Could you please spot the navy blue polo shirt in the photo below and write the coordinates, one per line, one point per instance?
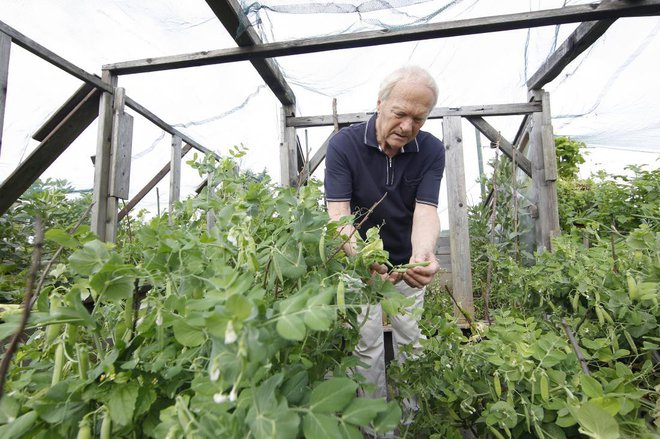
(356, 170)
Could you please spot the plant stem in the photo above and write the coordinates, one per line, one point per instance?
(34, 267)
(357, 227)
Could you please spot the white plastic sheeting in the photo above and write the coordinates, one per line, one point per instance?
(607, 97)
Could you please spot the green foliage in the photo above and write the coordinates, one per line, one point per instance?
(521, 377)
(59, 208)
(605, 201)
(228, 330)
(569, 157)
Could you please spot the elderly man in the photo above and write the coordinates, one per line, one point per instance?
(389, 154)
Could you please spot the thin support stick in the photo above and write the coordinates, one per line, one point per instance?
(32, 276)
(576, 347)
(42, 279)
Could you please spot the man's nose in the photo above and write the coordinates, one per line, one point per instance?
(406, 124)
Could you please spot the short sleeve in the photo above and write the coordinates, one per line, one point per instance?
(428, 191)
(338, 181)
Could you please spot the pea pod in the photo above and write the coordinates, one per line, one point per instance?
(630, 341)
(575, 302)
(54, 329)
(633, 291)
(322, 247)
(404, 267)
(599, 314)
(83, 361)
(106, 426)
(545, 387)
(84, 430)
(341, 300)
(497, 384)
(58, 364)
(21, 425)
(128, 317)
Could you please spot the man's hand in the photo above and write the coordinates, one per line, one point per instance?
(419, 277)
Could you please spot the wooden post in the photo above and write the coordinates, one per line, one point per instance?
(102, 161)
(120, 162)
(288, 150)
(5, 47)
(175, 173)
(459, 235)
(544, 172)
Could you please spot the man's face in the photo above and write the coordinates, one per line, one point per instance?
(402, 114)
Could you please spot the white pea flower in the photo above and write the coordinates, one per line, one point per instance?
(232, 394)
(230, 333)
(220, 397)
(159, 319)
(214, 374)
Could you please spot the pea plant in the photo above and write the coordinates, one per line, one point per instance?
(234, 317)
(573, 348)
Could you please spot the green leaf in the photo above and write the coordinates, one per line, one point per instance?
(240, 307)
(350, 432)
(591, 387)
(291, 327)
(295, 386)
(596, 422)
(8, 409)
(363, 410)
(279, 423)
(288, 264)
(62, 238)
(318, 315)
(111, 285)
(333, 395)
(89, 259)
(264, 394)
(121, 402)
(320, 425)
(188, 335)
(610, 405)
(389, 419)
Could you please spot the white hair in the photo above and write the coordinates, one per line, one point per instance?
(406, 73)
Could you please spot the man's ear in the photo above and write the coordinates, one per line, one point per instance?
(378, 106)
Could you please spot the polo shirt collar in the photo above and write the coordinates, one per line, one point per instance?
(370, 137)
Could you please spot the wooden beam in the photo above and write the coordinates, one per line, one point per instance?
(63, 112)
(231, 16)
(5, 49)
(160, 123)
(59, 139)
(102, 160)
(505, 146)
(576, 43)
(288, 150)
(51, 57)
(149, 186)
(122, 142)
(436, 113)
(522, 20)
(457, 207)
(547, 222)
(175, 174)
(316, 160)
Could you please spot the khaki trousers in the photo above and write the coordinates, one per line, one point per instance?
(371, 347)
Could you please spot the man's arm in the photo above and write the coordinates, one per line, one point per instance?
(337, 210)
(425, 230)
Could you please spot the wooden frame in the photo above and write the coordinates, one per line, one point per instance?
(524, 20)
(5, 49)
